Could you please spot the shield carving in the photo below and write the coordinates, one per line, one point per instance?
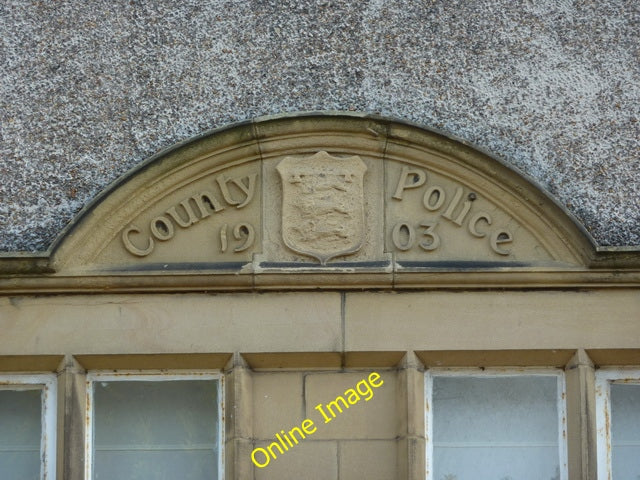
(322, 205)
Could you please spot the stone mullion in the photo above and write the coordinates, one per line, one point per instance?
(581, 417)
(238, 418)
(411, 422)
(71, 429)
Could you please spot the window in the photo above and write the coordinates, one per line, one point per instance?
(154, 426)
(618, 424)
(27, 426)
(500, 425)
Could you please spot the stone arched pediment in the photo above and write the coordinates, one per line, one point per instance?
(319, 200)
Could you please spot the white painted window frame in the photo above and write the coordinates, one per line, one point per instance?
(47, 383)
(150, 376)
(493, 373)
(604, 378)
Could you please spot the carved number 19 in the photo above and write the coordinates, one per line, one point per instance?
(242, 231)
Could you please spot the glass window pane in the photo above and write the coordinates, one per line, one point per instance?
(20, 433)
(502, 428)
(625, 431)
(155, 430)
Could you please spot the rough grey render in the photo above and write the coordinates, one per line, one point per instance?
(91, 88)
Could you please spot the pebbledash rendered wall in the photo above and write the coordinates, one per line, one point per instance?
(482, 159)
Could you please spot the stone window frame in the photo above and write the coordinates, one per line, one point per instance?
(155, 376)
(47, 383)
(494, 372)
(604, 378)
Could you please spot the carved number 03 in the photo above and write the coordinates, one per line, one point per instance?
(403, 236)
(240, 231)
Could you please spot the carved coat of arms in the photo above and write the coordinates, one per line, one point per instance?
(322, 205)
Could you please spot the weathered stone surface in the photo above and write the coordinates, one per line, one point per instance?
(90, 89)
(212, 324)
(426, 322)
(266, 197)
(323, 205)
(356, 459)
